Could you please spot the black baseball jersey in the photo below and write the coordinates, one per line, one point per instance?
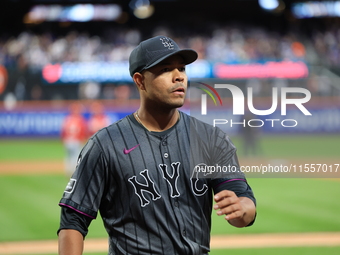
(148, 188)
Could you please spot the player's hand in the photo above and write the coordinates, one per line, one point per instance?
(239, 211)
(227, 203)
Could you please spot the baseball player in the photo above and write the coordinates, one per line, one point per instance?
(74, 133)
(141, 172)
(98, 118)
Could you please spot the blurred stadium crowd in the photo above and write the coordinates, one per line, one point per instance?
(30, 52)
(236, 44)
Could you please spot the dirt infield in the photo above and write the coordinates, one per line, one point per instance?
(217, 242)
(31, 167)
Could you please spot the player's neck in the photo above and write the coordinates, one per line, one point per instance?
(156, 120)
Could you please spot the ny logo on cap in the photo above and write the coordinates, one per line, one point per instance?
(167, 43)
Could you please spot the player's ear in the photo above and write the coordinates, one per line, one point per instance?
(138, 78)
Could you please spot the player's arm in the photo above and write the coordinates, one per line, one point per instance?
(233, 196)
(239, 211)
(73, 229)
(70, 242)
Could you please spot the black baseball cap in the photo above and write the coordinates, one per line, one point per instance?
(154, 50)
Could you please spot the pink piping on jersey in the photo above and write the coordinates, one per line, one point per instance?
(76, 210)
(231, 181)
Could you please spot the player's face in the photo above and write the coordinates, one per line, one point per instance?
(166, 83)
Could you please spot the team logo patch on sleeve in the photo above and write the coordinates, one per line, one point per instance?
(70, 186)
(79, 160)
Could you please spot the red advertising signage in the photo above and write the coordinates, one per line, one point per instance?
(285, 69)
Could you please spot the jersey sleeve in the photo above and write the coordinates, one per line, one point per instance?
(70, 219)
(233, 178)
(240, 187)
(224, 157)
(85, 189)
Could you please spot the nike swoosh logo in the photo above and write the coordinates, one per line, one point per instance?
(127, 151)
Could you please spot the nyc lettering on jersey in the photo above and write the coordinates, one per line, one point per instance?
(148, 185)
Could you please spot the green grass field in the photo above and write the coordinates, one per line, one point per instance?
(29, 203)
(291, 146)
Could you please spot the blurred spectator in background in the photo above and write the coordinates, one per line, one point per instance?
(74, 133)
(89, 90)
(98, 118)
(36, 92)
(122, 92)
(250, 136)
